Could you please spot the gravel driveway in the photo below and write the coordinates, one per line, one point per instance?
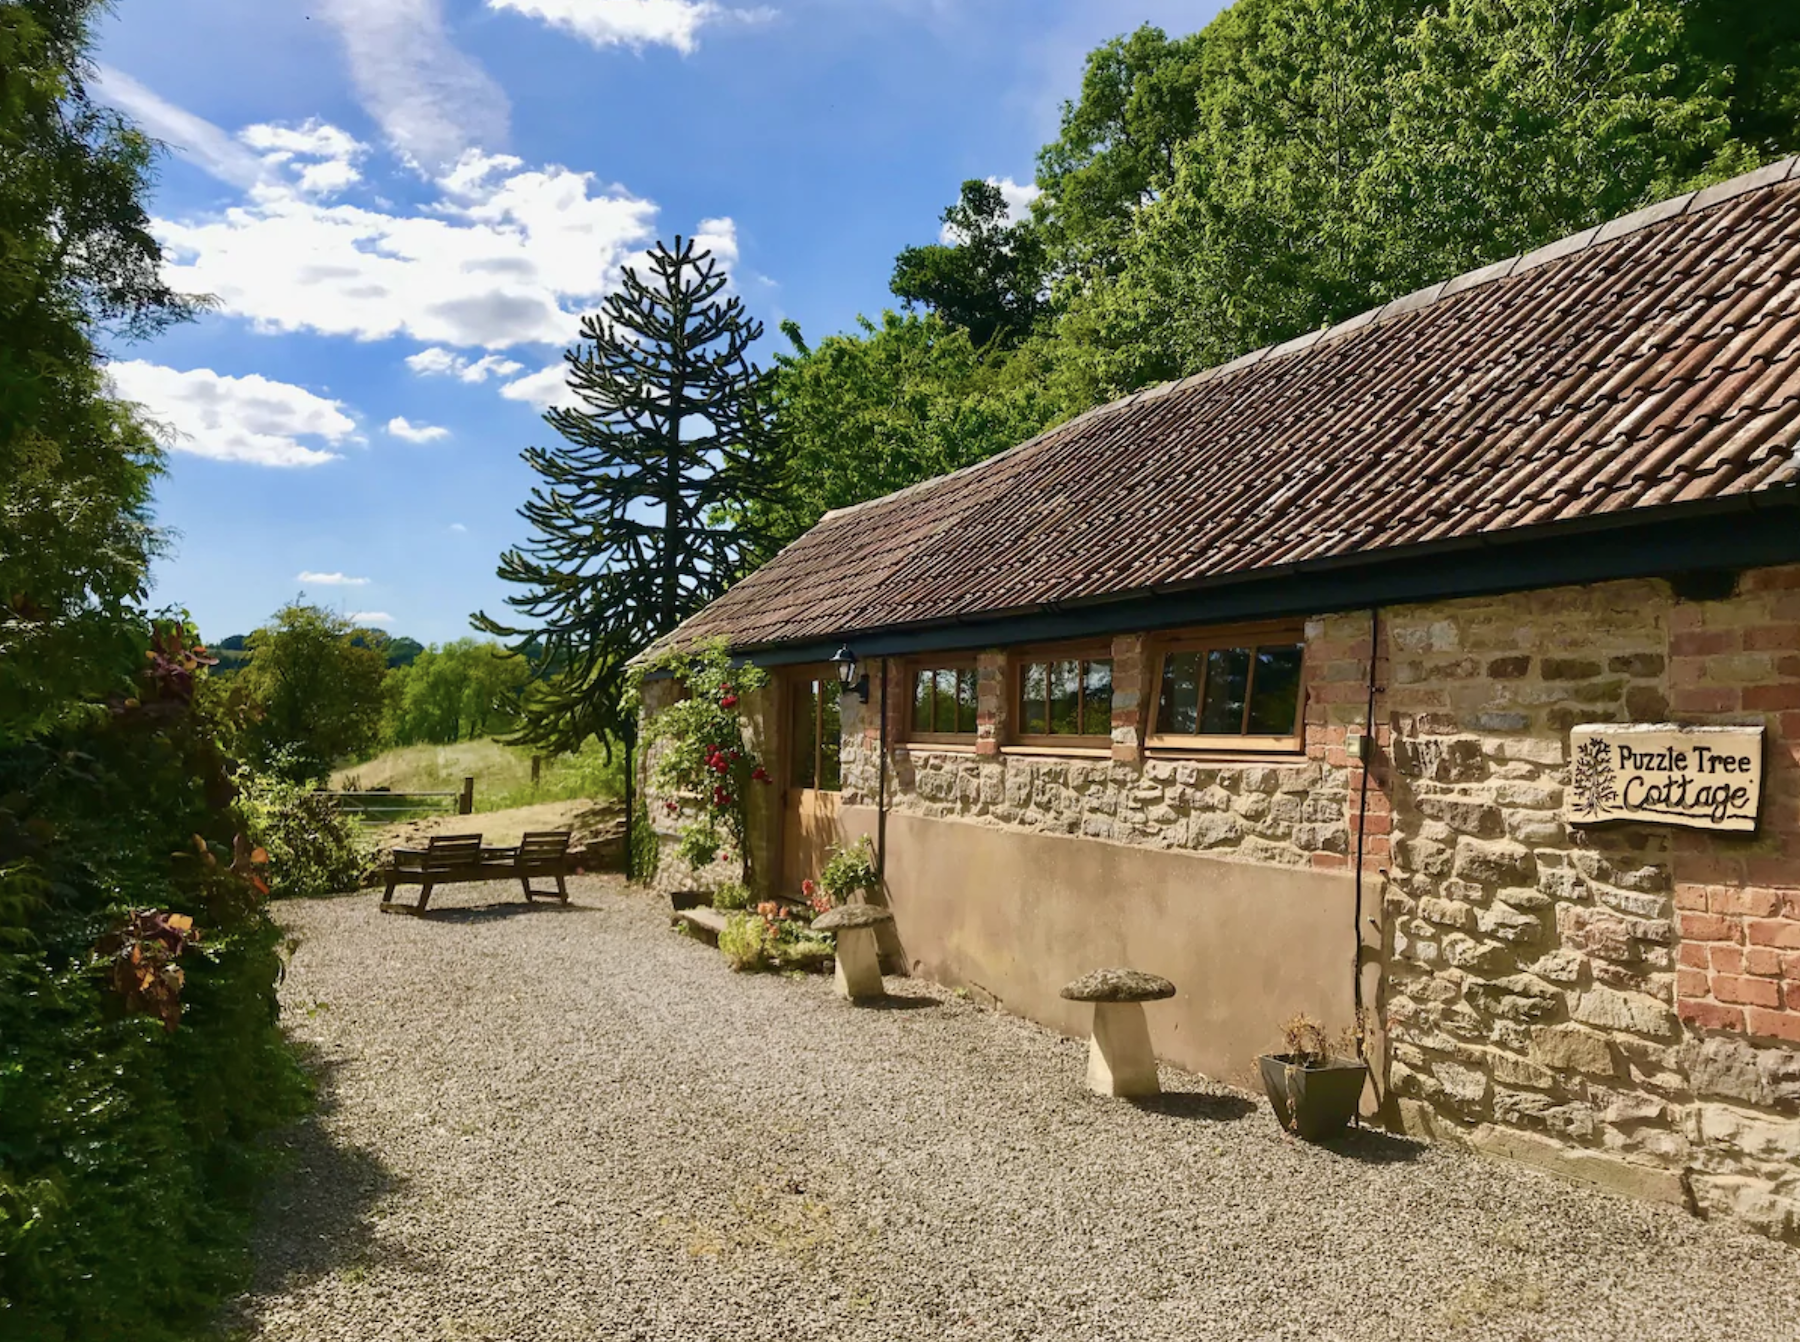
(572, 1123)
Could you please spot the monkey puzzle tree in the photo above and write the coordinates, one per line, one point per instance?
(646, 510)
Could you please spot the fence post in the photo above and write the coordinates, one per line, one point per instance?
(465, 804)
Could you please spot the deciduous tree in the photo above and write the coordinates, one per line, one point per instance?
(314, 683)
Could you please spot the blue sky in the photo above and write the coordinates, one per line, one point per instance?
(403, 206)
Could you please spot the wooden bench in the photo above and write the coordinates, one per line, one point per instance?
(545, 853)
(454, 859)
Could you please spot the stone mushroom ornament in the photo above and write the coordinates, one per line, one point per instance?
(858, 973)
(1119, 1058)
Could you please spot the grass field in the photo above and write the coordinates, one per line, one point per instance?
(502, 773)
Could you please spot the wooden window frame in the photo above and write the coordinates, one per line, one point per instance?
(1018, 660)
(913, 666)
(1250, 636)
(818, 715)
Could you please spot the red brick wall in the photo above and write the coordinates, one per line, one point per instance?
(1738, 660)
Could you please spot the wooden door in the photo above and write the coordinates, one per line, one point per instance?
(813, 774)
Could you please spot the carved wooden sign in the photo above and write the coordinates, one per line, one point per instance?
(1664, 773)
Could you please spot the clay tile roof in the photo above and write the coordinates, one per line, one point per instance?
(1646, 362)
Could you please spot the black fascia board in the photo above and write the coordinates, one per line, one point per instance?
(1747, 532)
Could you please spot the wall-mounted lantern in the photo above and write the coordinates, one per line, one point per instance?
(851, 676)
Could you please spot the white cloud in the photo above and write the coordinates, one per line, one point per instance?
(632, 23)
(369, 619)
(431, 100)
(251, 419)
(1018, 197)
(458, 527)
(506, 255)
(439, 362)
(545, 388)
(330, 579)
(194, 137)
(400, 427)
(718, 236)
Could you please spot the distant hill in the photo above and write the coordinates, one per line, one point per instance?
(234, 653)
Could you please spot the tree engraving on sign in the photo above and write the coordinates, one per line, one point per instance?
(1664, 773)
(1592, 778)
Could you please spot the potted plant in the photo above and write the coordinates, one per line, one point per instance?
(850, 871)
(1313, 1092)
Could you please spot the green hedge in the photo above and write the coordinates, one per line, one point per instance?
(129, 1152)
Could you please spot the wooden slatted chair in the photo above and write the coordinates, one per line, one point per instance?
(545, 853)
(445, 859)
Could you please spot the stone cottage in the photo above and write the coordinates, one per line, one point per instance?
(1272, 681)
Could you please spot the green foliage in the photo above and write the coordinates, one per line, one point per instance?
(1117, 147)
(314, 684)
(462, 690)
(403, 652)
(862, 415)
(850, 871)
(773, 937)
(731, 895)
(128, 1149)
(987, 279)
(644, 854)
(647, 509)
(313, 847)
(76, 466)
(703, 758)
(1350, 151)
(747, 942)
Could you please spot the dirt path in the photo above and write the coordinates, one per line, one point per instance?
(587, 819)
(569, 1123)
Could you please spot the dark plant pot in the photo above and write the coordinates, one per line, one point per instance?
(690, 899)
(1313, 1102)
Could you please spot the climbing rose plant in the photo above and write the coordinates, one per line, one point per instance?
(702, 757)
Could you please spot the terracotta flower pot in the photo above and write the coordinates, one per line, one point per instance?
(1313, 1101)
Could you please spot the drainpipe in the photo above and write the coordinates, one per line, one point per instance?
(1362, 820)
(881, 762)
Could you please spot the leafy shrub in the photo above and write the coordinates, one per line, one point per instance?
(850, 870)
(705, 757)
(747, 942)
(774, 936)
(731, 895)
(313, 847)
(140, 1057)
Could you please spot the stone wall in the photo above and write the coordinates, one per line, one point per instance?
(1289, 811)
(1615, 1002)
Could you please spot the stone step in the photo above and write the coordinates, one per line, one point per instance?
(706, 923)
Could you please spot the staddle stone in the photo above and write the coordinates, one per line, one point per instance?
(1117, 985)
(849, 916)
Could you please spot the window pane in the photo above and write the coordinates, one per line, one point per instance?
(1178, 713)
(1227, 677)
(803, 760)
(1065, 698)
(965, 701)
(943, 717)
(831, 732)
(922, 702)
(1032, 683)
(1275, 694)
(1096, 710)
